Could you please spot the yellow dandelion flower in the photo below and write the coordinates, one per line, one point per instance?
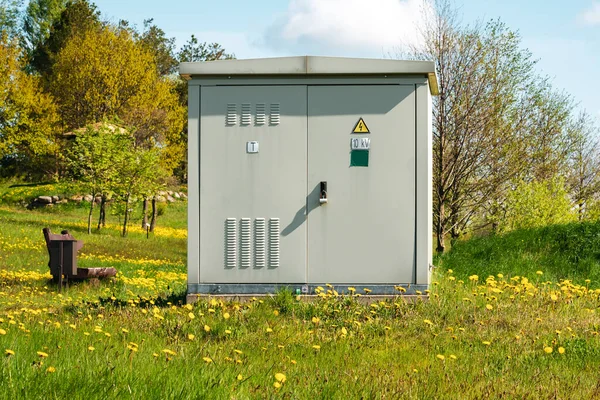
(293, 362)
(554, 297)
(189, 306)
(277, 385)
(428, 322)
(191, 336)
(269, 330)
(2, 331)
(107, 334)
(91, 348)
(240, 377)
(489, 306)
(50, 370)
(42, 354)
(275, 313)
(191, 316)
(441, 357)
(238, 351)
(315, 320)
(316, 347)
(344, 331)
(208, 360)
(280, 377)
(452, 356)
(415, 370)
(548, 349)
(487, 343)
(169, 352)
(561, 350)
(539, 272)
(206, 328)
(155, 354)
(366, 290)
(227, 331)
(73, 326)
(9, 352)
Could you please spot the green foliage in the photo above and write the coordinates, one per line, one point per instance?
(194, 51)
(9, 17)
(535, 204)
(38, 20)
(155, 40)
(569, 251)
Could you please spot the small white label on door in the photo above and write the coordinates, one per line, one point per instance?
(360, 143)
(252, 147)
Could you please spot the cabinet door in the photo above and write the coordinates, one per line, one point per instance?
(365, 233)
(253, 184)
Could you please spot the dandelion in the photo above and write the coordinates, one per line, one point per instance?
(169, 352)
(9, 352)
(428, 322)
(473, 278)
(240, 377)
(554, 297)
(42, 354)
(315, 320)
(489, 306)
(277, 385)
(366, 290)
(208, 360)
(91, 348)
(344, 331)
(206, 328)
(191, 336)
(227, 331)
(539, 273)
(561, 350)
(548, 349)
(50, 370)
(191, 316)
(487, 343)
(276, 313)
(269, 330)
(441, 357)
(280, 377)
(316, 347)
(238, 351)
(2, 331)
(452, 356)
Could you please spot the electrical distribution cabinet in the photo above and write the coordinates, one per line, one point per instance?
(304, 171)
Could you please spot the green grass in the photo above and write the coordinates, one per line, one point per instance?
(570, 251)
(491, 333)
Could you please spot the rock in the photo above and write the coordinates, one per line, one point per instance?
(44, 200)
(170, 193)
(161, 199)
(63, 201)
(55, 199)
(176, 195)
(77, 198)
(162, 193)
(170, 199)
(98, 199)
(88, 198)
(183, 195)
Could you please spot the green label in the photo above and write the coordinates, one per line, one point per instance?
(359, 158)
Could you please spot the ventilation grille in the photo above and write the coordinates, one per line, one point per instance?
(246, 114)
(275, 114)
(231, 114)
(230, 243)
(261, 114)
(245, 255)
(260, 256)
(274, 242)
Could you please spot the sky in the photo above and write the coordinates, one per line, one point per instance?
(563, 36)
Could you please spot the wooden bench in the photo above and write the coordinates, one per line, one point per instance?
(62, 250)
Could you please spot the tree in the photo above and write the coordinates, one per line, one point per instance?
(162, 48)
(78, 16)
(38, 20)
(28, 117)
(9, 17)
(583, 169)
(194, 51)
(94, 160)
(104, 73)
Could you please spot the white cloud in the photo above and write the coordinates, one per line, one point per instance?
(346, 27)
(591, 16)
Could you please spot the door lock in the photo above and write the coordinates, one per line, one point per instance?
(323, 195)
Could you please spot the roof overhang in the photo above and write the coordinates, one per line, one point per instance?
(312, 65)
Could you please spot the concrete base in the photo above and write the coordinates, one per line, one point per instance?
(242, 298)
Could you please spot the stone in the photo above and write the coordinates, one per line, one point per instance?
(161, 199)
(63, 201)
(170, 193)
(55, 199)
(98, 199)
(88, 198)
(170, 199)
(44, 200)
(77, 198)
(176, 195)
(162, 193)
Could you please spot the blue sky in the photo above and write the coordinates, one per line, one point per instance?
(563, 36)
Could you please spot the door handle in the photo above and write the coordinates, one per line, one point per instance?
(323, 194)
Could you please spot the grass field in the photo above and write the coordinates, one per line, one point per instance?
(489, 330)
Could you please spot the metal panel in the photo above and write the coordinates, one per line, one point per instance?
(269, 184)
(365, 233)
(193, 238)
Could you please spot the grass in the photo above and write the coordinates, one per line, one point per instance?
(133, 336)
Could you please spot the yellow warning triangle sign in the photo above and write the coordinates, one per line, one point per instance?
(361, 127)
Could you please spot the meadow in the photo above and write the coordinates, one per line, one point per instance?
(501, 321)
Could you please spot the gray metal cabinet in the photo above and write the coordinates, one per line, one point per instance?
(267, 136)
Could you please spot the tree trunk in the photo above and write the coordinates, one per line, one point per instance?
(439, 230)
(154, 214)
(102, 219)
(145, 213)
(90, 214)
(126, 218)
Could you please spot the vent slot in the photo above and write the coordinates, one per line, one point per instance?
(261, 114)
(245, 249)
(274, 243)
(230, 243)
(260, 243)
(231, 118)
(246, 114)
(275, 116)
